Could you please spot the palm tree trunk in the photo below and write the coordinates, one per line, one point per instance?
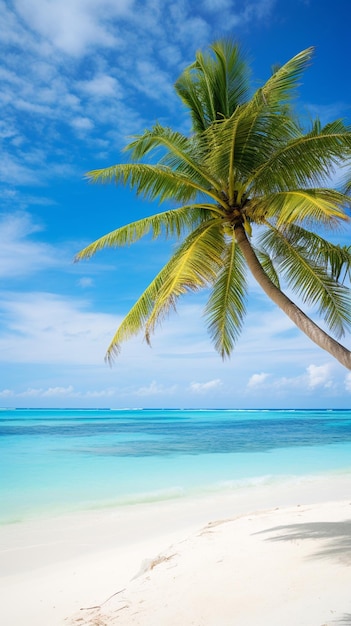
(302, 321)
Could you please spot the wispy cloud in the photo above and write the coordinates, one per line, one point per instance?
(207, 386)
(257, 380)
(21, 255)
(51, 392)
(57, 393)
(348, 382)
(66, 85)
(156, 389)
(48, 328)
(85, 282)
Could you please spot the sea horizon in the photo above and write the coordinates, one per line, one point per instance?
(166, 408)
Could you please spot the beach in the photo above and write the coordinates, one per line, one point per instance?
(271, 554)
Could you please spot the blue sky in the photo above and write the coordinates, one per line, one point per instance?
(78, 77)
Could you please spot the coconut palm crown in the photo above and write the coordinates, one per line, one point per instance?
(250, 190)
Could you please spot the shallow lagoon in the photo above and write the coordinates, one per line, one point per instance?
(57, 461)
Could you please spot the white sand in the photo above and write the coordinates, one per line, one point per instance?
(263, 556)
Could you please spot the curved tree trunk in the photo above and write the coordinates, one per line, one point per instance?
(302, 321)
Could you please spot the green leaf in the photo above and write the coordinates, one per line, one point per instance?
(308, 160)
(268, 266)
(153, 182)
(312, 206)
(305, 275)
(215, 84)
(225, 310)
(170, 223)
(195, 265)
(181, 156)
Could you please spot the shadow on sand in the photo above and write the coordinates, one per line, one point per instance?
(336, 544)
(336, 537)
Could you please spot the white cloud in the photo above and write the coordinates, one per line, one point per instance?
(13, 170)
(314, 377)
(156, 389)
(240, 13)
(101, 86)
(257, 10)
(48, 328)
(348, 382)
(257, 379)
(81, 123)
(72, 25)
(127, 47)
(213, 6)
(103, 393)
(51, 392)
(6, 393)
(319, 375)
(153, 81)
(290, 383)
(19, 255)
(85, 282)
(209, 385)
(57, 392)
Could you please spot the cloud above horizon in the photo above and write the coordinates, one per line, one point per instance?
(257, 380)
(319, 375)
(175, 393)
(156, 389)
(48, 328)
(207, 386)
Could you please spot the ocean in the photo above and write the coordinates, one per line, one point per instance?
(55, 462)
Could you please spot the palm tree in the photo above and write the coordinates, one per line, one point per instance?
(249, 187)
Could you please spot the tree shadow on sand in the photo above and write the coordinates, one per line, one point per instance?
(336, 537)
(334, 542)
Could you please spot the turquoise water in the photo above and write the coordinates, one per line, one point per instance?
(57, 461)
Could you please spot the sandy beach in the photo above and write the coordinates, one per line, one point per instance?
(277, 554)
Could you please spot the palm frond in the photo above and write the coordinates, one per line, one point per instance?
(242, 144)
(182, 154)
(136, 318)
(215, 84)
(225, 310)
(312, 206)
(281, 86)
(170, 223)
(148, 310)
(340, 263)
(334, 258)
(310, 280)
(231, 77)
(268, 266)
(153, 182)
(255, 130)
(195, 265)
(309, 160)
